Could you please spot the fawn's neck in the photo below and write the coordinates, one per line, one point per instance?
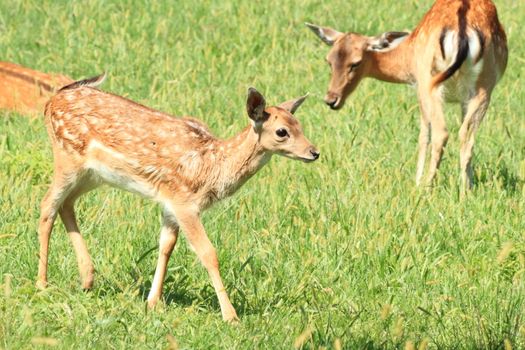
(239, 159)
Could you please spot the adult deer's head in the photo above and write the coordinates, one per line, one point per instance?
(350, 60)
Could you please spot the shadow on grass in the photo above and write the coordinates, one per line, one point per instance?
(501, 174)
(178, 291)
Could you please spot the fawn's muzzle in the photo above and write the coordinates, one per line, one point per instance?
(315, 153)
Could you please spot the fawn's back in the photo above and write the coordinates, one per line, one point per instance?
(126, 144)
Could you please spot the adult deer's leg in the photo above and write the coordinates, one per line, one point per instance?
(439, 132)
(424, 138)
(168, 239)
(475, 111)
(424, 135)
(191, 225)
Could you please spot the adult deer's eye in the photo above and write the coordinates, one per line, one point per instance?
(281, 132)
(354, 65)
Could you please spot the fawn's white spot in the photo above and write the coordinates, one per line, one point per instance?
(191, 161)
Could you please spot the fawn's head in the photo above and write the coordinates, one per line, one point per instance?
(278, 130)
(349, 59)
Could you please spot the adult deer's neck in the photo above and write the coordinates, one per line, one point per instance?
(242, 156)
(394, 66)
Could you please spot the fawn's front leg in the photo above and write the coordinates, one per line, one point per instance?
(168, 239)
(191, 225)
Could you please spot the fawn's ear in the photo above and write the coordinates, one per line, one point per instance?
(292, 105)
(386, 41)
(328, 35)
(255, 106)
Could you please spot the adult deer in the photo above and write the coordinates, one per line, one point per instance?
(102, 138)
(458, 52)
(26, 90)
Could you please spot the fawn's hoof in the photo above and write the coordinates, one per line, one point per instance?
(231, 319)
(87, 285)
(152, 304)
(41, 284)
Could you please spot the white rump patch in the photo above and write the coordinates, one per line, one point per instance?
(450, 46)
(474, 45)
(461, 85)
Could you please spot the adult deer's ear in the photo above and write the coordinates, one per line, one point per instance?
(255, 106)
(386, 41)
(292, 105)
(328, 35)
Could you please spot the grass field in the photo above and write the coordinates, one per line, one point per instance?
(341, 253)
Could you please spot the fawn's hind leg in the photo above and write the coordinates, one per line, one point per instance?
(67, 214)
(53, 200)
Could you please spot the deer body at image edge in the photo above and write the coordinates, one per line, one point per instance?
(26, 90)
(100, 138)
(457, 53)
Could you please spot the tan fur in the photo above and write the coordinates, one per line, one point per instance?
(101, 138)
(25, 90)
(422, 58)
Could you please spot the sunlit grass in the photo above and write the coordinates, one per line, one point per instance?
(342, 252)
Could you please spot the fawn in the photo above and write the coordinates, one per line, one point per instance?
(457, 52)
(100, 138)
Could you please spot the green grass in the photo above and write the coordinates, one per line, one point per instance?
(345, 251)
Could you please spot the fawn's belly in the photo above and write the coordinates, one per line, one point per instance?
(114, 169)
(119, 179)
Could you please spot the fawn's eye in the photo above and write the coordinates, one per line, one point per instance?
(281, 132)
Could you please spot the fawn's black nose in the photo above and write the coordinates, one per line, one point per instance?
(315, 153)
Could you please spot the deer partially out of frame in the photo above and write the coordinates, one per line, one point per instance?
(99, 138)
(458, 52)
(26, 90)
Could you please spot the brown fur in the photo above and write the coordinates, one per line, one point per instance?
(25, 90)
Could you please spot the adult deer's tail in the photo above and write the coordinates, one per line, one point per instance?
(463, 46)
